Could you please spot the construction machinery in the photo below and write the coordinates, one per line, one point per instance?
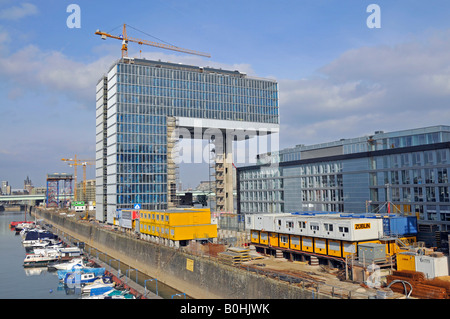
(125, 39)
(75, 163)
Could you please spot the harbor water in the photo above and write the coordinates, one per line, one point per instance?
(17, 282)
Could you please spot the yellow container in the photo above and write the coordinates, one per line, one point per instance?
(177, 217)
(190, 232)
(273, 239)
(254, 238)
(334, 248)
(178, 224)
(295, 242)
(406, 261)
(308, 244)
(348, 248)
(264, 238)
(320, 246)
(284, 241)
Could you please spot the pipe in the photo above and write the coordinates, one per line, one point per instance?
(404, 286)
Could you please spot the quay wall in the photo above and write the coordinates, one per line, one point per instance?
(207, 279)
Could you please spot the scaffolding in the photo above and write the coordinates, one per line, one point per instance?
(172, 167)
(57, 196)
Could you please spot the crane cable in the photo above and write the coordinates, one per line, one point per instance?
(152, 36)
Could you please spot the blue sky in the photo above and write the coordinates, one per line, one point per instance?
(337, 78)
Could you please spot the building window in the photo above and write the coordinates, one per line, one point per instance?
(428, 157)
(418, 194)
(417, 176)
(442, 175)
(416, 159)
(441, 156)
(405, 177)
(443, 194)
(429, 176)
(431, 194)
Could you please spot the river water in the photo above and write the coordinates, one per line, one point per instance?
(17, 282)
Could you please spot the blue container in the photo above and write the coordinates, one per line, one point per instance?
(406, 225)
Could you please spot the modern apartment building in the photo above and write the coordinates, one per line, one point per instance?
(407, 168)
(141, 107)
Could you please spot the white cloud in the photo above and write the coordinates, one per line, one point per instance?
(36, 69)
(18, 12)
(370, 88)
(51, 70)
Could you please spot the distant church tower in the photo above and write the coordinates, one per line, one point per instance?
(28, 185)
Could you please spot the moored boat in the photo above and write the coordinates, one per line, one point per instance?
(13, 225)
(98, 286)
(73, 278)
(24, 225)
(34, 236)
(96, 271)
(110, 294)
(75, 263)
(37, 260)
(67, 253)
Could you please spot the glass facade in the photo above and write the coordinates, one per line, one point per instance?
(134, 102)
(205, 93)
(408, 168)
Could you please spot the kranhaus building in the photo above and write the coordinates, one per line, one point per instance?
(143, 109)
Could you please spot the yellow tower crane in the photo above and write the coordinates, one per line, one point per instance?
(75, 163)
(125, 39)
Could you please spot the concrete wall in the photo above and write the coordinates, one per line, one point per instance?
(207, 279)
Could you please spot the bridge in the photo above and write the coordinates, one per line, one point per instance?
(42, 197)
(19, 198)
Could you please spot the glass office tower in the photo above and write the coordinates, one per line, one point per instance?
(140, 102)
(407, 168)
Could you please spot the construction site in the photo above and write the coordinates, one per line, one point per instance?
(137, 216)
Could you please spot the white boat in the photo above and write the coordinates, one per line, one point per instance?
(47, 243)
(70, 252)
(62, 274)
(75, 263)
(34, 236)
(109, 294)
(25, 225)
(35, 260)
(83, 279)
(47, 252)
(97, 287)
